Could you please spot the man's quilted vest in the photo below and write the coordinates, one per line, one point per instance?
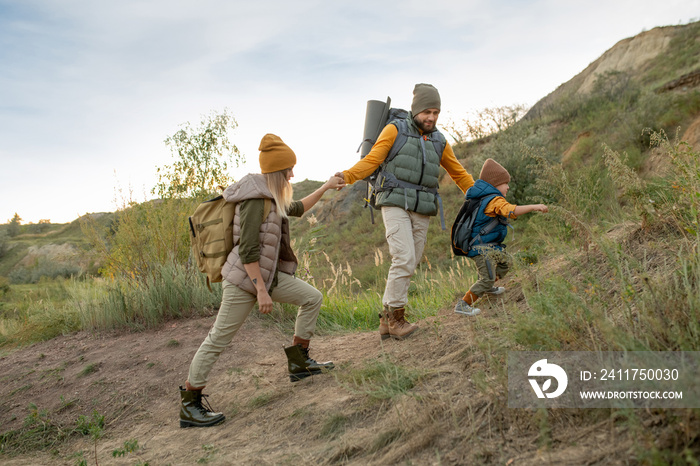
(417, 162)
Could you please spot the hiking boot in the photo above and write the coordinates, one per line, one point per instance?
(496, 290)
(399, 327)
(301, 365)
(465, 309)
(384, 325)
(193, 413)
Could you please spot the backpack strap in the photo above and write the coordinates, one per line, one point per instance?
(485, 231)
(401, 138)
(436, 137)
(388, 180)
(439, 142)
(493, 223)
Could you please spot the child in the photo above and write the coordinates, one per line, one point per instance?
(493, 181)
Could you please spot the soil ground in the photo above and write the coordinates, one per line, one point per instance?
(132, 379)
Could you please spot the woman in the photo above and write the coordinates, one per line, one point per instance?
(260, 268)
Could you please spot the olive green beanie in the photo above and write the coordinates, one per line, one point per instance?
(275, 155)
(425, 96)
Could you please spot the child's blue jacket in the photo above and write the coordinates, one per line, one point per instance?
(496, 236)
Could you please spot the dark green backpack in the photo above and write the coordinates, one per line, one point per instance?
(211, 235)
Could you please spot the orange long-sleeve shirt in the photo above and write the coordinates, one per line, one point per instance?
(381, 149)
(499, 206)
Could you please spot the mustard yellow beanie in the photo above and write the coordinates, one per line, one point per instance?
(493, 173)
(275, 155)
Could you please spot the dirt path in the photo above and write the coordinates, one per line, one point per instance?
(132, 379)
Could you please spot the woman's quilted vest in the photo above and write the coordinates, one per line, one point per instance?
(274, 235)
(418, 163)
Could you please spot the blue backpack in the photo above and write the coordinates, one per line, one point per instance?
(461, 235)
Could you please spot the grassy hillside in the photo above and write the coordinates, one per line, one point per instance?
(621, 111)
(615, 265)
(35, 244)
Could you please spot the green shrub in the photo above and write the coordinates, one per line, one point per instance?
(171, 291)
(4, 242)
(44, 268)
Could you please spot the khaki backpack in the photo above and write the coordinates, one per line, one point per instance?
(211, 235)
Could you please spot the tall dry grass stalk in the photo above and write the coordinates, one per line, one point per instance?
(172, 291)
(350, 305)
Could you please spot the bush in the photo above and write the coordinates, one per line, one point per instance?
(517, 149)
(169, 291)
(143, 238)
(4, 243)
(44, 269)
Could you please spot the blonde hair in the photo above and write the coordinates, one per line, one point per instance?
(281, 190)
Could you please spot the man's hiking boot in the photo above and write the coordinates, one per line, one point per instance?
(496, 290)
(299, 362)
(399, 327)
(384, 326)
(195, 414)
(465, 309)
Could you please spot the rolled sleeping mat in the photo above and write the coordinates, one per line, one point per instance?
(375, 120)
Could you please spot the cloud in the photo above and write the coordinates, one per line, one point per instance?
(89, 88)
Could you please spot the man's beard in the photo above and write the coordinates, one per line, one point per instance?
(423, 127)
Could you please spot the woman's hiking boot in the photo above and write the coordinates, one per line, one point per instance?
(300, 364)
(384, 325)
(399, 327)
(195, 414)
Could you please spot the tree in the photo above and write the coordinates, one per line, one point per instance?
(203, 155)
(13, 228)
(146, 236)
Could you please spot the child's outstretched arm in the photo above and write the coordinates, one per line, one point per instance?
(526, 209)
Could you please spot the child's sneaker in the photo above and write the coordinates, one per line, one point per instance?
(465, 309)
(496, 290)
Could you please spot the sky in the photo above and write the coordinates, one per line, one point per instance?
(89, 90)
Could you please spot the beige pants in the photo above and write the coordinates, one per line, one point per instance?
(406, 233)
(236, 305)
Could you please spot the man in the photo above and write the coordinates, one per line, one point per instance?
(408, 196)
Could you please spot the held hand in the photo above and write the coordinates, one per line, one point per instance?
(541, 208)
(336, 182)
(264, 302)
(340, 175)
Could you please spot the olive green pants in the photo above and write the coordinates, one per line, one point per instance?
(489, 267)
(236, 305)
